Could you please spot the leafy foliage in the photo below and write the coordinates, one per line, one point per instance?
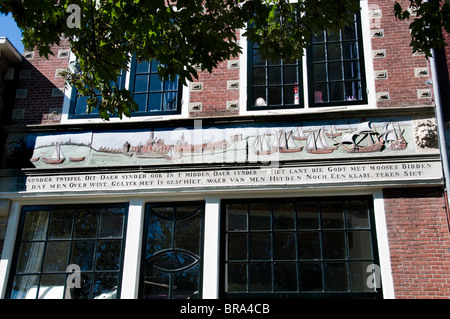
(431, 18)
(180, 34)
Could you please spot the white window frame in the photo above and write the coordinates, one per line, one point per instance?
(65, 116)
(212, 232)
(368, 66)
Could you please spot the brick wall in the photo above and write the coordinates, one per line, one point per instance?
(38, 100)
(419, 242)
(401, 83)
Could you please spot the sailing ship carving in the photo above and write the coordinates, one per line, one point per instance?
(393, 136)
(57, 157)
(317, 144)
(365, 140)
(287, 144)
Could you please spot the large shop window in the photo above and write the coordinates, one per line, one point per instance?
(299, 248)
(334, 75)
(69, 252)
(172, 250)
(153, 95)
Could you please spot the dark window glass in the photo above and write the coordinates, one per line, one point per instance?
(273, 84)
(172, 252)
(153, 95)
(52, 240)
(295, 248)
(336, 67)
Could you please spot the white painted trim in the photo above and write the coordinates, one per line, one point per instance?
(133, 250)
(368, 65)
(8, 246)
(211, 249)
(387, 281)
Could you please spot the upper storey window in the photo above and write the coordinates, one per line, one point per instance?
(153, 95)
(334, 74)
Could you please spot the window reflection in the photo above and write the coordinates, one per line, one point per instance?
(172, 259)
(52, 238)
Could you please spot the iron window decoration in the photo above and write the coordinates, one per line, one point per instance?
(172, 250)
(67, 252)
(153, 95)
(335, 73)
(299, 248)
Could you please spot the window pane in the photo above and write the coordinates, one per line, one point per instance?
(349, 33)
(56, 256)
(350, 50)
(30, 257)
(84, 291)
(284, 216)
(186, 234)
(336, 276)
(332, 214)
(357, 214)
(236, 246)
(284, 245)
(108, 255)
(25, 287)
(83, 253)
(111, 224)
(259, 76)
(155, 83)
(236, 217)
(335, 71)
(260, 216)
(186, 284)
(141, 100)
(105, 286)
(52, 287)
(275, 95)
(61, 225)
(260, 246)
(337, 91)
(334, 52)
(311, 276)
(320, 93)
(285, 276)
(35, 227)
(360, 245)
(259, 96)
(170, 101)
(86, 224)
(141, 83)
(288, 95)
(320, 72)
(156, 284)
(318, 51)
(290, 75)
(154, 102)
(334, 245)
(142, 67)
(309, 245)
(236, 274)
(359, 276)
(351, 70)
(308, 215)
(260, 277)
(274, 75)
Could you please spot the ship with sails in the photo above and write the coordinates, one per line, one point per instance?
(286, 143)
(57, 157)
(365, 140)
(393, 136)
(317, 144)
(261, 145)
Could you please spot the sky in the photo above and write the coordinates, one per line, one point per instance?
(9, 29)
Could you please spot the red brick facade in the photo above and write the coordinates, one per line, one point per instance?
(419, 242)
